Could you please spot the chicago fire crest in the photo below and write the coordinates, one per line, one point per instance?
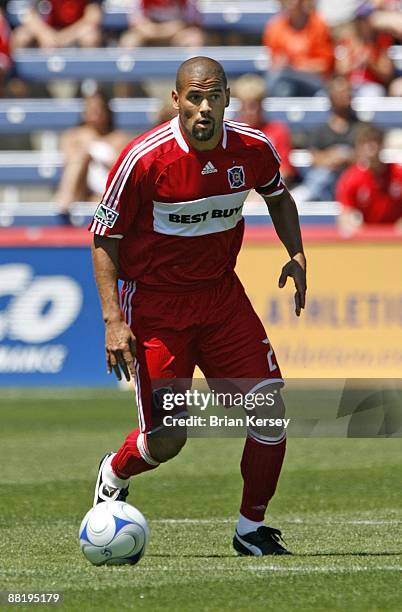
(236, 177)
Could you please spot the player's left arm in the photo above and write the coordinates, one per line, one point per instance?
(285, 218)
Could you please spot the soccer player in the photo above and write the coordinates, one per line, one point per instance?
(170, 226)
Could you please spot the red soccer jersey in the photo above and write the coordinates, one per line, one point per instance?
(178, 211)
(378, 198)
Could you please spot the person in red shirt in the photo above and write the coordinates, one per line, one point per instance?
(60, 23)
(170, 226)
(370, 191)
(5, 53)
(250, 90)
(386, 16)
(301, 49)
(362, 56)
(163, 22)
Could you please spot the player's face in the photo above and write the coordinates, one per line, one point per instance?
(201, 105)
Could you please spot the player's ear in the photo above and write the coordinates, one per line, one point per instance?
(175, 99)
(227, 93)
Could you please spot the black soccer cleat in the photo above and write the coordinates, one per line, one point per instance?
(104, 492)
(264, 541)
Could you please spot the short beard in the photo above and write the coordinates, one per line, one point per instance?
(203, 134)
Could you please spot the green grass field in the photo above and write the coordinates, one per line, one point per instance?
(338, 505)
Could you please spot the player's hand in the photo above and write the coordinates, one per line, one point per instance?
(296, 269)
(120, 349)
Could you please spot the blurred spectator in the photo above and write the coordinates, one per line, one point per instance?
(301, 49)
(369, 191)
(362, 56)
(163, 22)
(5, 57)
(166, 111)
(387, 17)
(250, 91)
(336, 14)
(332, 146)
(89, 152)
(60, 23)
(395, 89)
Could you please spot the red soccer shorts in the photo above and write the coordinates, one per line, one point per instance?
(215, 328)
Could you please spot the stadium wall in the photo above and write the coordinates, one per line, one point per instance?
(51, 331)
(352, 324)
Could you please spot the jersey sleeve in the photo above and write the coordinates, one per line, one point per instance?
(269, 182)
(120, 202)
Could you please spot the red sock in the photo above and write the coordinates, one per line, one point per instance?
(260, 467)
(133, 456)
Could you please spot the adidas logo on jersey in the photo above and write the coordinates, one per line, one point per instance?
(209, 168)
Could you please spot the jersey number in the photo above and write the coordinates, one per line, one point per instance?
(272, 366)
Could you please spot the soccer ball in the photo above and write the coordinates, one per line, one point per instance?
(113, 533)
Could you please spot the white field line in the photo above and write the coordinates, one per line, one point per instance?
(305, 569)
(241, 567)
(320, 569)
(296, 521)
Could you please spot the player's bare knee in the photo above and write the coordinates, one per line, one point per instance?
(164, 445)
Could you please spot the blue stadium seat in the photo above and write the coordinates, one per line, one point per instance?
(26, 115)
(45, 213)
(39, 168)
(138, 114)
(112, 64)
(30, 168)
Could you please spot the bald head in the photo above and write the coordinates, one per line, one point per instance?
(201, 96)
(201, 68)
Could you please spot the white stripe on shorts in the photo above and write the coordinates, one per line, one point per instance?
(138, 396)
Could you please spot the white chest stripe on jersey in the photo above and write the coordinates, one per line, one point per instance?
(199, 217)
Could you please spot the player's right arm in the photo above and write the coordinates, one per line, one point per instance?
(119, 339)
(112, 220)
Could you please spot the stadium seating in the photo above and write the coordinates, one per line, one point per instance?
(136, 114)
(26, 115)
(219, 15)
(40, 168)
(45, 213)
(113, 64)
